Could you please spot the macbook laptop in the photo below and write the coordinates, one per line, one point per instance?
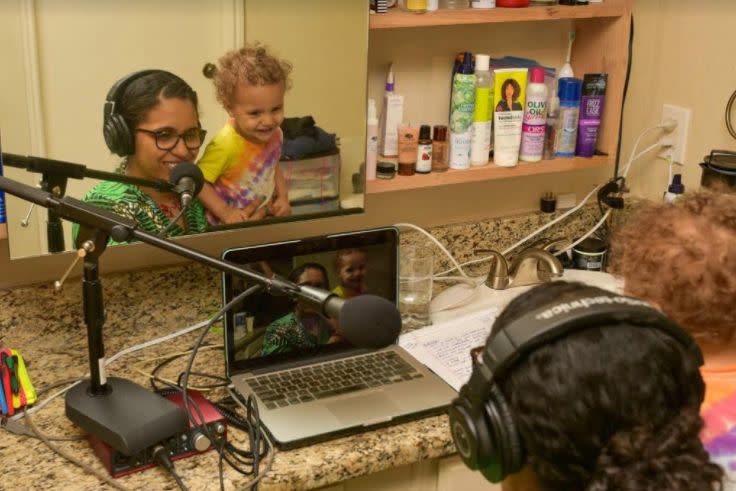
(309, 382)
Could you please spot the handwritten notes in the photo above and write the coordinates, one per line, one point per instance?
(445, 347)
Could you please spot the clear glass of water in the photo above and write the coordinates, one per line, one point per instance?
(416, 267)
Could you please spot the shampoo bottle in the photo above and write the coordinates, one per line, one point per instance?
(371, 147)
(393, 113)
(591, 110)
(535, 117)
(480, 143)
(462, 104)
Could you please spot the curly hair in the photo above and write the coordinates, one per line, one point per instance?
(682, 257)
(251, 64)
(609, 407)
(515, 84)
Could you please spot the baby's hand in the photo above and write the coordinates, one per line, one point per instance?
(280, 207)
(232, 215)
(253, 212)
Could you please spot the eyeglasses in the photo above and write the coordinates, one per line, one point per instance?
(167, 139)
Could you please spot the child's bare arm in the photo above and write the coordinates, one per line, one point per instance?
(226, 214)
(280, 206)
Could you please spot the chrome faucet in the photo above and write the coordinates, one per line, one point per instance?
(530, 267)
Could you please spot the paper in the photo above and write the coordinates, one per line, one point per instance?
(445, 347)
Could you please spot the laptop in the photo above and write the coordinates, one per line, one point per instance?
(310, 384)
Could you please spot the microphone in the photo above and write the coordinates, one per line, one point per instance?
(366, 321)
(187, 180)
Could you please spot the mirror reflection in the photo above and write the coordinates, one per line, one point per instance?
(266, 99)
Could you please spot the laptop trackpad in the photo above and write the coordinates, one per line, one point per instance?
(363, 410)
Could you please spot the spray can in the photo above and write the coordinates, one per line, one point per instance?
(567, 126)
(462, 105)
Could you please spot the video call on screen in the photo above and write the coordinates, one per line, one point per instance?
(268, 326)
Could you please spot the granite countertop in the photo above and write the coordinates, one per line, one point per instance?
(48, 329)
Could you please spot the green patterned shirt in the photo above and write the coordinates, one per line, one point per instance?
(127, 200)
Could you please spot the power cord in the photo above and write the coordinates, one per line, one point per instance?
(162, 457)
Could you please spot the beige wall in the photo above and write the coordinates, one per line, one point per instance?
(683, 57)
(332, 44)
(673, 39)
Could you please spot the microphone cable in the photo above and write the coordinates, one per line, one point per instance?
(165, 231)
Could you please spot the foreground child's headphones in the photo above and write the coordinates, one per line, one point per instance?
(481, 420)
(120, 138)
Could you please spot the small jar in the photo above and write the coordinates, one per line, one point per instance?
(385, 170)
(413, 6)
(454, 4)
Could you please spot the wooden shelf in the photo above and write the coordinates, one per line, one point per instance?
(397, 19)
(484, 173)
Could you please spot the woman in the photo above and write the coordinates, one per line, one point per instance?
(304, 328)
(152, 121)
(609, 407)
(687, 267)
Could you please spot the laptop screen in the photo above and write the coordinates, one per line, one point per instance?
(265, 330)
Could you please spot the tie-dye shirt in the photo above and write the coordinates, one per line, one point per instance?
(719, 412)
(240, 171)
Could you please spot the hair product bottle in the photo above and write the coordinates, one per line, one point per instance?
(462, 105)
(480, 143)
(567, 125)
(393, 112)
(371, 147)
(424, 150)
(440, 149)
(535, 117)
(550, 137)
(591, 110)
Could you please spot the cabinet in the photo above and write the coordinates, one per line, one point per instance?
(601, 45)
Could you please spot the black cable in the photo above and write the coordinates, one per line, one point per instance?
(162, 457)
(623, 100)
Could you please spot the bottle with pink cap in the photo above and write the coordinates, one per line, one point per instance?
(535, 117)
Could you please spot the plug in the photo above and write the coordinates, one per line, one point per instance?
(669, 125)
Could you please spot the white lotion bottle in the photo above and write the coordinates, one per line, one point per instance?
(391, 117)
(371, 147)
(480, 143)
(535, 117)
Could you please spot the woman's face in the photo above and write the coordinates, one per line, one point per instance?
(509, 91)
(311, 277)
(171, 115)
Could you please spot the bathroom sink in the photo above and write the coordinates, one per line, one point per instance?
(463, 298)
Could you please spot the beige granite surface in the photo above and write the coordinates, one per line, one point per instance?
(47, 327)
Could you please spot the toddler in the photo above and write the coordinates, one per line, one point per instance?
(243, 180)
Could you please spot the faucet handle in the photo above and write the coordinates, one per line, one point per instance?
(498, 276)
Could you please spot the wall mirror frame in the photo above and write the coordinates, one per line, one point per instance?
(62, 59)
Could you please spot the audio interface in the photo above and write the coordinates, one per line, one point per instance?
(190, 442)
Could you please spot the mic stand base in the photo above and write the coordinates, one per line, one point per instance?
(128, 417)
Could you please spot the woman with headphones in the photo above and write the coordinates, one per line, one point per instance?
(581, 389)
(151, 119)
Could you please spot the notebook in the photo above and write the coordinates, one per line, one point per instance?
(310, 384)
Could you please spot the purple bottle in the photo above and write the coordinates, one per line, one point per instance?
(591, 110)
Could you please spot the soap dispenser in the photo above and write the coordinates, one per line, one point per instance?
(675, 190)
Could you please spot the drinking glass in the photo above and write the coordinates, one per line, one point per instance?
(416, 267)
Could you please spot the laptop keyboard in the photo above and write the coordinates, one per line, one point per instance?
(306, 384)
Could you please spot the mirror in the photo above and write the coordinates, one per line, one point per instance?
(61, 58)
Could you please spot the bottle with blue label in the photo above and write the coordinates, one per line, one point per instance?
(568, 91)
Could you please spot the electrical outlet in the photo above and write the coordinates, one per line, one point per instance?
(674, 143)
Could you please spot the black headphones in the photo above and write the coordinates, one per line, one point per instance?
(481, 420)
(119, 137)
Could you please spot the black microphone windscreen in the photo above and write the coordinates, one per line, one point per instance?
(187, 169)
(370, 321)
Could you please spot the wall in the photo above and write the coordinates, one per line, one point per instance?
(682, 56)
(668, 32)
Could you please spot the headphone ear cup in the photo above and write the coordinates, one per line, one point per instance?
(465, 432)
(118, 136)
(509, 450)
